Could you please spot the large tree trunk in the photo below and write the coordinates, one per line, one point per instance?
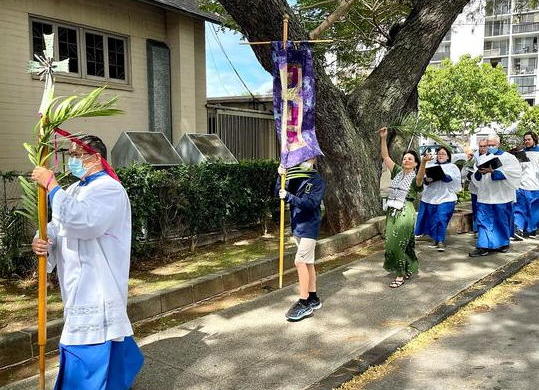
(346, 126)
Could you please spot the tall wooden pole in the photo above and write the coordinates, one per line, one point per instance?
(284, 123)
(42, 272)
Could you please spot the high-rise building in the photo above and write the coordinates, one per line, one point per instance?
(504, 32)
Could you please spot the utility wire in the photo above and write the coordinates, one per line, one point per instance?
(231, 64)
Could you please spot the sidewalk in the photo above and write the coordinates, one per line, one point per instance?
(251, 346)
(493, 350)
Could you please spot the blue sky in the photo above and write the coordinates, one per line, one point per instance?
(221, 79)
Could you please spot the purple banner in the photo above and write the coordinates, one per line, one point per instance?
(294, 102)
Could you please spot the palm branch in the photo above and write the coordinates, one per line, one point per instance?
(60, 110)
(415, 126)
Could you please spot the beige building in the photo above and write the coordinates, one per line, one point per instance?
(151, 54)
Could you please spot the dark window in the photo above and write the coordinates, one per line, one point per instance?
(95, 62)
(38, 29)
(67, 45)
(116, 58)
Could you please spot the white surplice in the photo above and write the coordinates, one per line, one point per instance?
(530, 170)
(499, 191)
(439, 191)
(91, 234)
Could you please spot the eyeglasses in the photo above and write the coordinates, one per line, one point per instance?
(77, 155)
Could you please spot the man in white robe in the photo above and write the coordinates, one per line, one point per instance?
(527, 204)
(90, 244)
(496, 192)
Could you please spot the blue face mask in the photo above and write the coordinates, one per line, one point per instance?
(76, 167)
(492, 149)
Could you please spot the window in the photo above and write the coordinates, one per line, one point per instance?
(93, 55)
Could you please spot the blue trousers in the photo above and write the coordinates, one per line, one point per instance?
(432, 219)
(494, 225)
(108, 366)
(527, 210)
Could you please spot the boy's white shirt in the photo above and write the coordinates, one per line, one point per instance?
(439, 191)
(499, 191)
(91, 234)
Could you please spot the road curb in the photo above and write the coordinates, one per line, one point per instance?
(380, 352)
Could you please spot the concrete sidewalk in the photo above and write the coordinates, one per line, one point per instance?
(497, 349)
(251, 346)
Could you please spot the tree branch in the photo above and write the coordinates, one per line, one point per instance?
(341, 10)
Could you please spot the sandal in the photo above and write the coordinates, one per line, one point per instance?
(408, 275)
(396, 283)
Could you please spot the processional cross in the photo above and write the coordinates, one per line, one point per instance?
(45, 67)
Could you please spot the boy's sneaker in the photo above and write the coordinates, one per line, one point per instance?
(533, 235)
(315, 304)
(298, 311)
(433, 244)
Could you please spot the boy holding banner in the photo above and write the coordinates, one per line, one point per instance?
(304, 191)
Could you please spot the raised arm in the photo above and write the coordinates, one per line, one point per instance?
(383, 147)
(421, 171)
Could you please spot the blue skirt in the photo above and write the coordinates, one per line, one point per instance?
(109, 366)
(527, 210)
(432, 219)
(494, 225)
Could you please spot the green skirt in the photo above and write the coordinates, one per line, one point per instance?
(399, 246)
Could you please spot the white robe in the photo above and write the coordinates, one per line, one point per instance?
(91, 234)
(499, 191)
(530, 171)
(439, 191)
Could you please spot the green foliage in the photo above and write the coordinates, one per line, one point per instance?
(460, 97)
(60, 110)
(413, 125)
(464, 196)
(529, 121)
(189, 200)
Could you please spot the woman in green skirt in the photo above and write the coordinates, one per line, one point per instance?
(406, 184)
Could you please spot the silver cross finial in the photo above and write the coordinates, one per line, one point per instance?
(46, 67)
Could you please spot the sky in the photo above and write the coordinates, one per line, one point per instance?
(221, 79)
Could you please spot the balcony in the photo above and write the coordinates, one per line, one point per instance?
(496, 31)
(523, 70)
(525, 28)
(526, 89)
(525, 50)
(441, 55)
(495, 52)
(498, 9)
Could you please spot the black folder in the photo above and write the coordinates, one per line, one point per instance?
(494, 163)
(435, 173)
(521, 156)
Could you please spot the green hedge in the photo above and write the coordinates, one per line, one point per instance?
(183, 201)
(192, 199)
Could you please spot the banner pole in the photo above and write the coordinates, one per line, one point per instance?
(284, 120)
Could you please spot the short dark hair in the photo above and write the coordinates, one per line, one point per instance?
(96, 144)
(416, 157)
(446, 150)
(533, 135)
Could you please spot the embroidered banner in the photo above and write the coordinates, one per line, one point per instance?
(294, 102)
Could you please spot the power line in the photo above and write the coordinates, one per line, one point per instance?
(231, 64)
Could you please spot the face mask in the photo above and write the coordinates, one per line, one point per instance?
(306, 165)
(492, 149)
(76, 167)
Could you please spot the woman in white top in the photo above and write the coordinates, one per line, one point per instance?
(438, 200)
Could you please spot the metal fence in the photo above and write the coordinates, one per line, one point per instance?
(248, 134)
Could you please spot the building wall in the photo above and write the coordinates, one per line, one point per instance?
(20, 94)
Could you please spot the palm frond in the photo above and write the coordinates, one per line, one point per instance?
(60, 110)
(414, 125)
